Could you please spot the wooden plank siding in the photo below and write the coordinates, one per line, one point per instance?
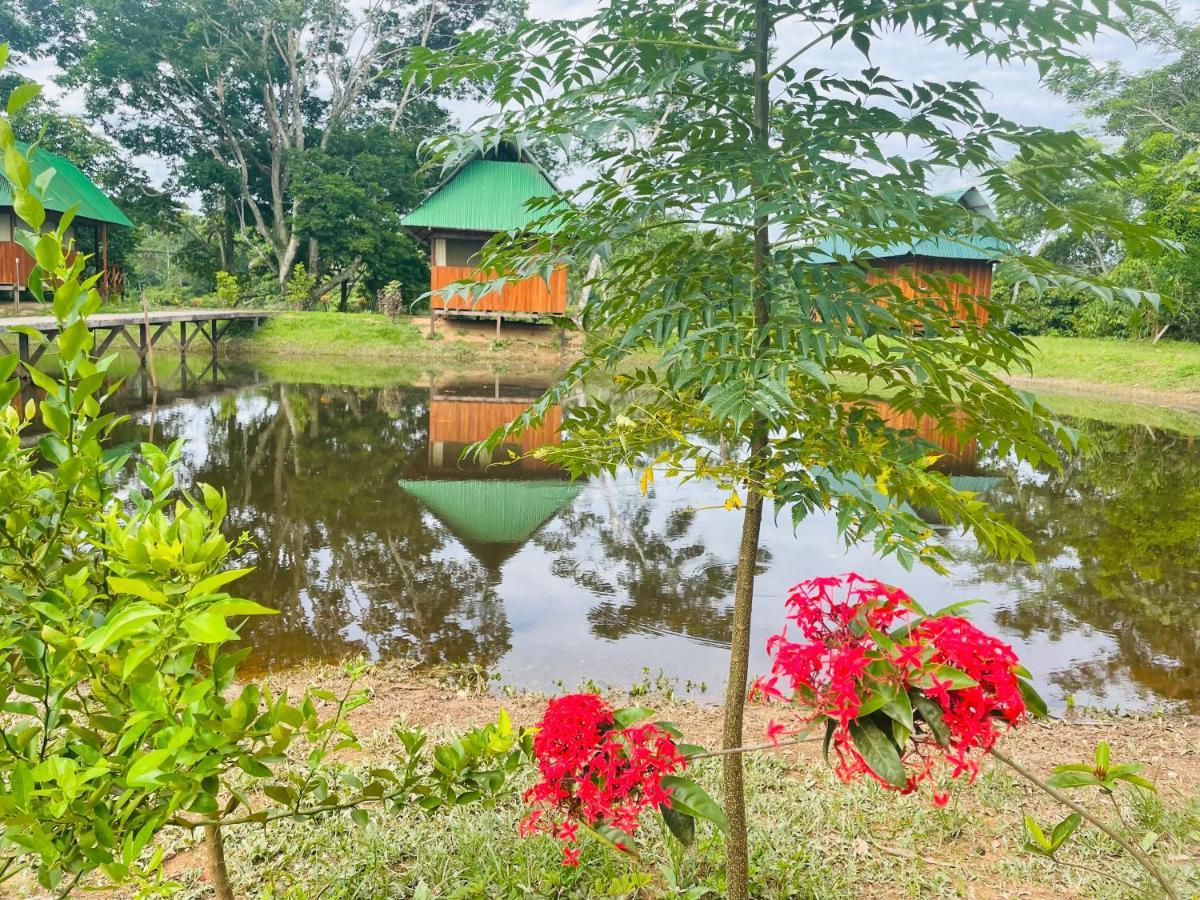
(527, 297)
(10, 253)
(906, 272)
(457, 423)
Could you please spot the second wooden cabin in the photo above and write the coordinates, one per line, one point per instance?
(488, 194)
(966, 262)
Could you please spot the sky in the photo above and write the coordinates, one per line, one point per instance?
(1013, 91)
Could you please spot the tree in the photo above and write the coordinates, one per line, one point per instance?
(768, 334)
(258, 87)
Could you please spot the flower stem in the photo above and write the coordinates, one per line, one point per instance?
(1142, 859)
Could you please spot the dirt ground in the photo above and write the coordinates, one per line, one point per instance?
(1168, 745)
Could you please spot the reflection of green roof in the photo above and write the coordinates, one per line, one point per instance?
(493, 512)
(966, 246)
(484, 195)
(68, 188)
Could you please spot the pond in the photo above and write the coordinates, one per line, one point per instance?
(371, 537)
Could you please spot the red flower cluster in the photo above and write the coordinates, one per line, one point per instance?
(869, 652)
(594, 770)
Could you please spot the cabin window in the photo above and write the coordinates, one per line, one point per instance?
(463, 251)
(5, 227)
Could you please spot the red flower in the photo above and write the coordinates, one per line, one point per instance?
(849, 655)
(595, 771)
(941, 798)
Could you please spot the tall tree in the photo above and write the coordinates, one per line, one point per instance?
(257, 86)
(769, 332)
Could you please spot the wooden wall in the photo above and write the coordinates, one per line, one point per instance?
(907, 271)
(456, 423)
(10, 254)
(527, 297)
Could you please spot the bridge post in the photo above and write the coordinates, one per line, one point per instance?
(23, 347)
(143, 340)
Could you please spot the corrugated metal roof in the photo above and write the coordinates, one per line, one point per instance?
(968, 246)
(484, 195)
(68, 188)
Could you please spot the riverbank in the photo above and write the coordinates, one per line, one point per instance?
(375, 339)
(1166, 374)
(812, 835)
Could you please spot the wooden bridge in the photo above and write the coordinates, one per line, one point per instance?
(140, 331)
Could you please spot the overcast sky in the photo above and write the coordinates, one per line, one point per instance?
(1014, 91)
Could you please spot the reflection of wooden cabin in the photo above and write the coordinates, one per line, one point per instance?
(487, 194)
(962, 453)
(966, 262)
(69, 187)
(492, 506)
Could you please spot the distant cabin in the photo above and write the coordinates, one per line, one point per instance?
(485, 195)
(69, 187)
(972, 257)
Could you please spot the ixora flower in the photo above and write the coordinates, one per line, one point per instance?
(596, 771)
(904, 695)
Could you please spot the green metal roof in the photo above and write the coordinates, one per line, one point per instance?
(493, 512)
(484, 195)
(68, 188)
(968, 246)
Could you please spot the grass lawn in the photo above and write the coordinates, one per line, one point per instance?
(334, 333)
(1167, 366)
(811, 836)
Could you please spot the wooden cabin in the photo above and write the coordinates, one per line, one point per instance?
(69, 187)
(486, 195)
(492, 509)
(970, 259)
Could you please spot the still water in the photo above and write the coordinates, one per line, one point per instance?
(373, 538)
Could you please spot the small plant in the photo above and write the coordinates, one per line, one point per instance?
(229, 290)
(300, 290)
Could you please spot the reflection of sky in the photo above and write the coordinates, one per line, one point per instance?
(552, 637)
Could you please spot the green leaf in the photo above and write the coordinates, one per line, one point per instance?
(1064, 830)
(1137, 781)
(137, 588)
(878, 752)
(208, 628)
(1036, 835)
(931, 715)
(145, 771)
(1103, 755)
(360, 817)
(680, 824)
(958, 679)
(689, 798)
(1072, 780)
(22, 95)
(1033, 700)
(631, 714)
(214, 583)
(235, 606)
(830, 729)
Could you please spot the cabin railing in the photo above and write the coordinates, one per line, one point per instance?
(530, 296)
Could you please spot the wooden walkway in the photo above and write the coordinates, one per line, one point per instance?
(139, 330)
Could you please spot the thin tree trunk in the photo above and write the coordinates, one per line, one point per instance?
(214, 863)
(737, 854)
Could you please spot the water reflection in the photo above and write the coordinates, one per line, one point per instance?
(374, 535)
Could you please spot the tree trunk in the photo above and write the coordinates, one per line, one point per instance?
(737, 854)
(214, 863)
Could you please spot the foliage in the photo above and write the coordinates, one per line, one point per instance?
(389, 300)
(229, 291)
(300, 289)
(122, 709)
(266, 109)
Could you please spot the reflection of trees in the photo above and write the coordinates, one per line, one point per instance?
(1118, 536)
(347, 558)
(648, 578)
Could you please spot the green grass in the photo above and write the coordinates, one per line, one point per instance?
(1166, 366)
(333, 334)
(811, 837)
